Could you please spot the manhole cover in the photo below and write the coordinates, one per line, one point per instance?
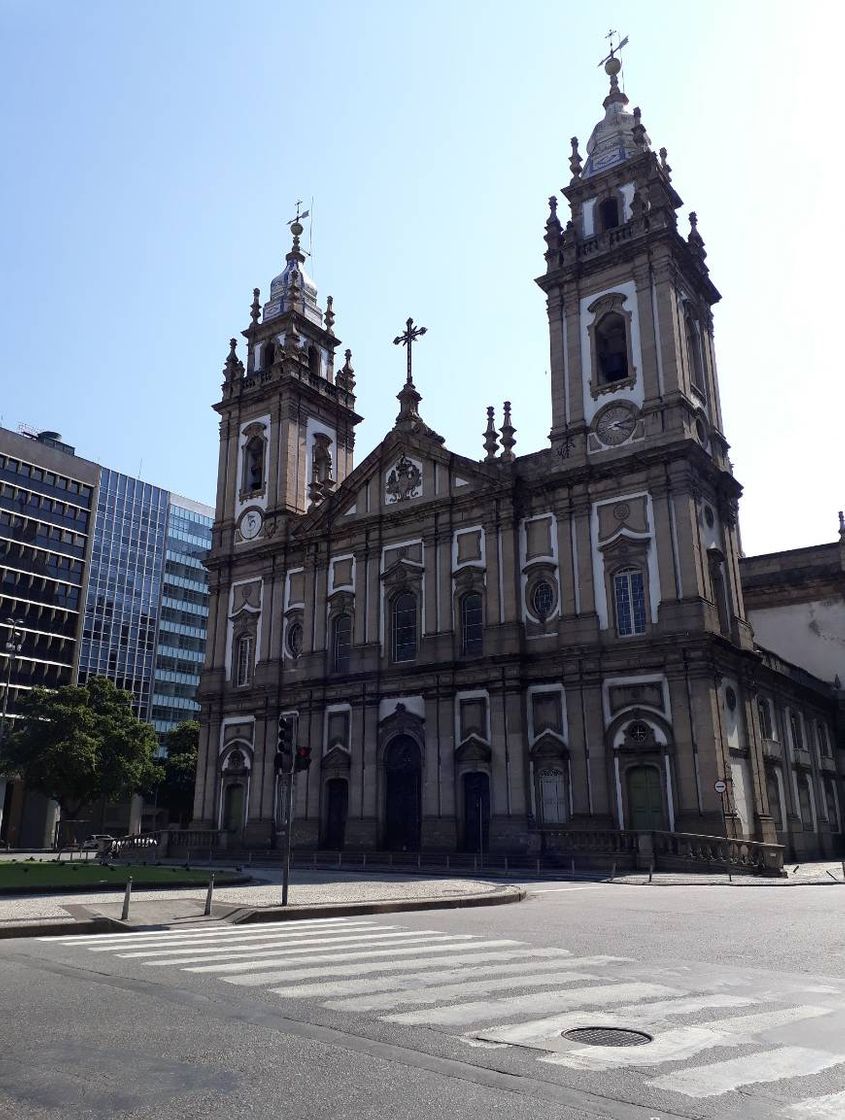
(607, 1036)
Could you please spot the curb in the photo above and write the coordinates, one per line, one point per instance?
(246, 916)
(111, 888)
(62, 929)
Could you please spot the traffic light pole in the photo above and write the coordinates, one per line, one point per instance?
(288, 829)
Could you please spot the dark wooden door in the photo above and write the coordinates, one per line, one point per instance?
(337, 803)
(403, 788)
(476, 812)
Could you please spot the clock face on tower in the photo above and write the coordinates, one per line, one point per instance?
(250, 524)
(616, 425)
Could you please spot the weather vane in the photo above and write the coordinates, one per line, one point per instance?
(408, 337)
(304, 213)
(613, 49)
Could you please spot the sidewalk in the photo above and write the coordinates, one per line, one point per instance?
(309, 892)
(826, 873)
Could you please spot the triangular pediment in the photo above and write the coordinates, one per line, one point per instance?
(401, 472)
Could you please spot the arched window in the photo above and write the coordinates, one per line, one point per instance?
(611, 348)
(694, 358)
(609, 213)
(342, 642)
(765, 718)
(243, 660)
(293, 639)
(268, 354)
(805, 801)
(253, 480)
(629, 597)
(472, 624)
(404, 619)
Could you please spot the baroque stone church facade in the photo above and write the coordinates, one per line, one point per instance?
(486, 652)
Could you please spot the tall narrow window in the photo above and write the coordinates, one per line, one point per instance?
(824, 741)
(629, 596)
(612, 348)
(342, 642)
(553, 801)
(268, 354)
(472, 624)
(253, 480)
(609, 213)
(694, 357)
(765, 719)
(314, 361)
(797, 731)
(404, 618)
(243, 660)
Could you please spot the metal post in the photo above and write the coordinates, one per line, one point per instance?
(480, 832)
(572, 867)
(506, 865)
(727, 842)
(448, 863)
(209, 896)
(613, 871)
(843, 869)
(419, 860)
(288, 822)
(538, 867)
(363, 859)
(650, 870)
(124, 914)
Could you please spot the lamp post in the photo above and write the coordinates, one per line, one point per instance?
(13, 646)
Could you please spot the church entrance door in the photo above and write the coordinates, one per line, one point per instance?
(233, 808)
(337, 801)
(403, 788)
(476, 812)
(645, 799)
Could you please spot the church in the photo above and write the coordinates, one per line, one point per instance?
(497, 652)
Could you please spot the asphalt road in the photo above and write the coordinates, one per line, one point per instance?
(447, 1013)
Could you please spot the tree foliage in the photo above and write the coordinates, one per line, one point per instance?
(176, 792)
(80, 744)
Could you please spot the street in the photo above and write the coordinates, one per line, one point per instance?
(451, 1012)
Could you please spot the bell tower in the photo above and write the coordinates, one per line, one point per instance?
(288, 418)
(633, 370)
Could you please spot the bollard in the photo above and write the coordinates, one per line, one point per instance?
(363, 859)
(650, 870)
(419, 860)
(448, 861)
(208, 897)
(249, 860)
(338, 859)
(538, 868)
(572, 867)
(124, 914)
(506, 865)
(475, 863)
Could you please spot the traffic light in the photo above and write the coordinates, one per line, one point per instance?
(284, 743)
(303, 759)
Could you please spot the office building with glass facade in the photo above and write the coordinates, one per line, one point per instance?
(183, 616)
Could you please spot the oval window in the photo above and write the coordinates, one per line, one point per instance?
(542, 599)
(294, 639)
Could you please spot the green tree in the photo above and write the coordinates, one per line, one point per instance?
(176, 792)
(80, 744)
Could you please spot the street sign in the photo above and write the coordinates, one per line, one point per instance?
(720, 786)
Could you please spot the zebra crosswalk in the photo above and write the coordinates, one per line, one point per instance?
(710, 1037)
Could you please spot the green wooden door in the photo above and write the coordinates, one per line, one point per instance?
(645, 799)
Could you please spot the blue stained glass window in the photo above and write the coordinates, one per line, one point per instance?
(629, 595)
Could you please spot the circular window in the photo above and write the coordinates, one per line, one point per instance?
(639, 732)
(294, 639)
(542, 599)
(701, 431)
(730, 699)
(709, 519)
(236, 761)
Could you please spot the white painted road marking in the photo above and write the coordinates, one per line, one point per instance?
(142, 935)
(277, 945)
(603, 995)
(829, 1107)
(752, 1069)
(225, 937)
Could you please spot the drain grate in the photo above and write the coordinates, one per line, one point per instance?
(607, 1036)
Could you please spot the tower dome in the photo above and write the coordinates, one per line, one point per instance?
(612, 140)
(293, 289)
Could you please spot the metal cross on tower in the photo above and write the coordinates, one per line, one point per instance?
(299, 216)
(408, 338)
(613, 49)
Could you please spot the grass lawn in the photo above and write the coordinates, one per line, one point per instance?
(48, 876)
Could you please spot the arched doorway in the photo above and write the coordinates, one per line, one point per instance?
(233, 808)
(403, 785)
(337, 803)
(476, 812)
(645, 799)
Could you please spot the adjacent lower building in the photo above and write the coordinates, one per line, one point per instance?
(100, 575)
(500, 651)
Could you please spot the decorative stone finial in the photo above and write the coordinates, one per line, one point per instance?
(296, 229)
(346, 374)
(612, 68)
(665, 166)
(328, 318)
(575, 161)
(491, 438)
(841, 525)
(233, 367)
(695, 240)
(255, 309)
(638, 131)
(507, 430)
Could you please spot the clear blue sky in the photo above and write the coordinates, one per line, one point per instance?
(153, 152)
